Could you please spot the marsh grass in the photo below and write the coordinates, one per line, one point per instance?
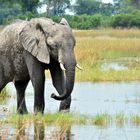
(135, 119)
(101, 120)
(94, 47)
(57, 118)
(121, 119)
(62, 122)
(60, 119)
(4, 93)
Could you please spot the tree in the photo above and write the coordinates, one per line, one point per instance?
(29, 5)
(106, 9)
(91, 7)
(56, 7)
(88, 7)
(134, 3)
(26, 5)
(8, 10)
(126, 6)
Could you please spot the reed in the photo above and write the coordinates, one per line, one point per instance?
(94, 47)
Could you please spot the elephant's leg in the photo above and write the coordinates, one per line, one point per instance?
(65, 104)
(37, 76)
(21, 104)
(38, 81)
(3, 81)
(59, 83)
(2, 85)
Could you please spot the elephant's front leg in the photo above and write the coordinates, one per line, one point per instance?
(37, 76)
(38, 84)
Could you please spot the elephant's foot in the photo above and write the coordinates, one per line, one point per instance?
(22, 111)
(64, 110)
(65, 105)
(38, 110)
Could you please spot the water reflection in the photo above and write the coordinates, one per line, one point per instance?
(88, 99)
(20, 131)
(40, 131)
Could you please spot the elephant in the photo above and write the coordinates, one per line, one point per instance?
(27, 49)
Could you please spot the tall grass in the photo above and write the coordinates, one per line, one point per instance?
(117, 33)
(36, 125)
(95, 47)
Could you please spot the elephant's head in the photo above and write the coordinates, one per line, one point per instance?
(49, 41)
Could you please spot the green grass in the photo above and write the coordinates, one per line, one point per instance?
(135, 119)
(101, 119)
(95, 47)
(60, 119)
(60, 122)
(4, 93)
(21, 124)
(55, 118)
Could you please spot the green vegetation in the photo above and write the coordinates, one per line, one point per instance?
(60, 119)
(56, 118)
(96, 47)
(4, 93)
(120, 14)
(101, 120)
(27, 125)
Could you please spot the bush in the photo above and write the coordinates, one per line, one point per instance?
(126, 20)
(82, 21)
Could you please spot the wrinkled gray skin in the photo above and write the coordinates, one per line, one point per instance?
(27, 48)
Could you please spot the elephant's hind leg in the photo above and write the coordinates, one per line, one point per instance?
(2, 86)
(3, 81)
(20, 87)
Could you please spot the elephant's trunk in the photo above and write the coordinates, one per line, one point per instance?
(70, 78)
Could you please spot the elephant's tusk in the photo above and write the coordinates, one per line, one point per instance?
(62, 67)
(79, 67)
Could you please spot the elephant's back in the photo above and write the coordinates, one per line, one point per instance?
(9, 37)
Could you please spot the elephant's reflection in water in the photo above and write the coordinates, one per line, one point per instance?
(39, 131)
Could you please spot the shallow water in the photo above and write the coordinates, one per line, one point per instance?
(113, 66)
(75, 132)
(89, 99)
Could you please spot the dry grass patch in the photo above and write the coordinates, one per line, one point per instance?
(93, 47)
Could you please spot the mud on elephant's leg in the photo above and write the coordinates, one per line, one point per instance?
(21, 104)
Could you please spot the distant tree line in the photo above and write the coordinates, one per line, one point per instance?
(87, 14)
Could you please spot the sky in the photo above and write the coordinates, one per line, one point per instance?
(107, 1)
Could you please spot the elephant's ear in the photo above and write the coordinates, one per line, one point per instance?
(33, 39)
(64, 22)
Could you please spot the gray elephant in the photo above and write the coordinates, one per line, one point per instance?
(27, 48)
